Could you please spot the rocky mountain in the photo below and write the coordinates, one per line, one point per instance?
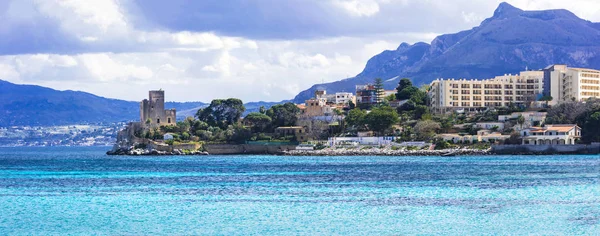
(32, 105)
(508, 42)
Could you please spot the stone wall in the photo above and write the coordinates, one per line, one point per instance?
(171, 148)
(230, 149)
(547, 149)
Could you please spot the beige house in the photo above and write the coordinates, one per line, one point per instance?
(501, 91)
(552, 135)
(486, 136)
(571, 84)
(298, 131)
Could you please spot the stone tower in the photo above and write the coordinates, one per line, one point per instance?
(152, 110)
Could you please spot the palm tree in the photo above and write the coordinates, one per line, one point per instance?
(521, 120)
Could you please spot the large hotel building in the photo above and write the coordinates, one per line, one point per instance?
(558, 81)
(570, 84)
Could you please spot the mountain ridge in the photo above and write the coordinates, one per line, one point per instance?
(507, 42)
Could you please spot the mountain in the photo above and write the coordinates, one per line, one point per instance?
(508, 42)
(32, 105)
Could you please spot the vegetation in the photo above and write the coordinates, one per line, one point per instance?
(283, 114)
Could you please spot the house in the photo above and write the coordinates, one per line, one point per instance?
(567, 134)
(531, 118)
(489, 125)
(334, 141)
(482, 136)
(298, 132)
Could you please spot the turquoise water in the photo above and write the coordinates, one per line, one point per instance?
(80, 191)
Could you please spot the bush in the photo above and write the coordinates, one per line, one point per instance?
(441, 144)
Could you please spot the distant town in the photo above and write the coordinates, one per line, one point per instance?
(525, 110)
(71, 135)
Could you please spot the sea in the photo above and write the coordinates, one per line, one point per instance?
(82, 191)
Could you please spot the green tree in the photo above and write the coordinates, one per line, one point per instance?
(546, 98)
(426, 129)
(404, 83)
(222, 112)
(381, 119)
(351, 105)
(283, 114)
(259, 121)
(356, 119)
(262, 110)
(407, 93)
(521, 121)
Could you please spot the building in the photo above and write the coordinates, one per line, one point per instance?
(501, 91)
(152, 110)
(298, 132)
(485, 136)
(531, 118)
(344, 98)
(570, 84)
(552, 135)
(372, 141)
(367, 94)
(489, 125)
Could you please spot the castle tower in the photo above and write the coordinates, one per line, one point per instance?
(153, 110)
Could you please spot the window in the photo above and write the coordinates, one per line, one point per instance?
(169, 120)
(158, 121)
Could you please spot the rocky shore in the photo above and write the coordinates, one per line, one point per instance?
(387, 152)
(152, 152)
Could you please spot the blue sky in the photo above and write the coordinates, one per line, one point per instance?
(199, 50)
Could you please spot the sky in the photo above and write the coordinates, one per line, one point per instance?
(255, 50)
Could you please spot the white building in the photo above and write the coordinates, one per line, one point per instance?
(552, 135)
(570, 84)
(531, 118)
(501, 91)
(482, 136)
(344, 98)
(334, 141)
(489, 125)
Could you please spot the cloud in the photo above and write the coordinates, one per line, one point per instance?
(200, 50)
(358, 7)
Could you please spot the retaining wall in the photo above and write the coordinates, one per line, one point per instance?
(230, 149)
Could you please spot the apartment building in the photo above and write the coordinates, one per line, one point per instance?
(366, 94)
(501, 91)
(570, 84)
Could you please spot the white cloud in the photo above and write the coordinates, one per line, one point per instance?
(358, 8)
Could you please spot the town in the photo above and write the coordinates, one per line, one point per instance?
(551, 108)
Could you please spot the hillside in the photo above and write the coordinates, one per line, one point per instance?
(508, 42)
(39, 106)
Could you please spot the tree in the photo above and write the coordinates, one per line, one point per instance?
(426, 129)
(356, 119)
(390, 97)
(379, 90)
(515, 138)
(259, 121)
(419, 97)
(406, 93)
(590, 128)
(521, 121)
(404, 83)
(546, 98)
(381, 119)
(222, 112)
(351, 105)
(262, 110)
(283, 114)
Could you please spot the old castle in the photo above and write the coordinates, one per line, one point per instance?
(152, 110)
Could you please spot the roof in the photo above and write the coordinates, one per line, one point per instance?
(557, 128)
(301, 106)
